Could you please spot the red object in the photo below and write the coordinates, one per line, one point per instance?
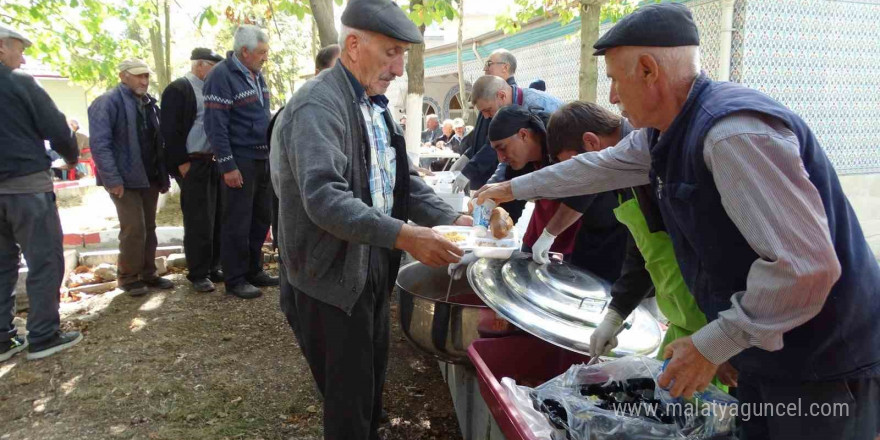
(87, 160)
(524, 358)
(92, 238)
(73, 240)
(544, 211)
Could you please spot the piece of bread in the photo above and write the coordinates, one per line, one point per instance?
(500, 223)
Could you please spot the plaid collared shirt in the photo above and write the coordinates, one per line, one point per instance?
(383, 161)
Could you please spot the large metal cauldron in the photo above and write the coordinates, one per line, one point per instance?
(443, 328)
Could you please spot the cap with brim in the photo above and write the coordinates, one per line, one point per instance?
(381, 16)
(205, 54)
(7, 32)
(660, 25)
(134, 67)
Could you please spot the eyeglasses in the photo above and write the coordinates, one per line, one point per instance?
(489, 63)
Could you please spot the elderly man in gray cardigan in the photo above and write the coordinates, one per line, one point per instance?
(347, 191)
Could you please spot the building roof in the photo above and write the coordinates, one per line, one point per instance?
(38, 70)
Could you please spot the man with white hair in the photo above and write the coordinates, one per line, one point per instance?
(189, 159)
(129, 159)
(29, 222)
(236, 122)
(347, 192)
(432, 131)
(766, 239)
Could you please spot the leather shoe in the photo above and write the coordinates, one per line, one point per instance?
(263, 279)
(136, 288)
(217, 276)
(159, 283)
(203, 285)
(244, 290)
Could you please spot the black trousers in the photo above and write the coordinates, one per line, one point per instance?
(348, 354)
(247, 214)
(841, 409)
(29, 224)
(200, 203)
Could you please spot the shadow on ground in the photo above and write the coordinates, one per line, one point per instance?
(183, 365)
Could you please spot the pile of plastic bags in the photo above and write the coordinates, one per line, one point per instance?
(620, 400)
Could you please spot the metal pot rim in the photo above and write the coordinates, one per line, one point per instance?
(404, 290)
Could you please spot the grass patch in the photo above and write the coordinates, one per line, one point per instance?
(170, 214)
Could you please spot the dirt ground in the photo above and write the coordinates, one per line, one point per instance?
(184, 365)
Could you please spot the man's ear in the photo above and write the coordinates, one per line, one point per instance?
(591, 141)
(647, 68)
(352, 44)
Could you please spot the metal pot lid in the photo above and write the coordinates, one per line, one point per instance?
(559, 303)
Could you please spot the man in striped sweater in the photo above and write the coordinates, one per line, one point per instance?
(236, 119)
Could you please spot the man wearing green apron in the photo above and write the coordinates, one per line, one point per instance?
(650, 262)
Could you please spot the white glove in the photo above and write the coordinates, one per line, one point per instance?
(604, 339)
(459, 164)
(461, 184)
(541, 248)
(456, 270)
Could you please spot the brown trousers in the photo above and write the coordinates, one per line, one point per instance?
(137, 234)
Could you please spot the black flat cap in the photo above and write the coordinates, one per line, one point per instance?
(201, 53)
(381, 16)
(661, 25)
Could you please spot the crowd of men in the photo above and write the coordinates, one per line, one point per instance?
(712, 197)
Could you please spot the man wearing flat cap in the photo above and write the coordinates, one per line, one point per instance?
(347, 190)
(129, 158)
(189, 159)
(29, 222)
(766, 239)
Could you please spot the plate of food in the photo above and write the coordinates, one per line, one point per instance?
(499, 241)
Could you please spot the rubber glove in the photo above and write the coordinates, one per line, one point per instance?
(461, 184)
(541, 248)
(456, 270)
(459, 164)
(604, 339)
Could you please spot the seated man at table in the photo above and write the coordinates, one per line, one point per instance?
(442, 142)
(582, 229)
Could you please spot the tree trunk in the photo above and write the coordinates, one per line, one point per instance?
(158, 42)
(589, 71)
(462, 92)
(167, 43)
(322, 11)
(415, 72)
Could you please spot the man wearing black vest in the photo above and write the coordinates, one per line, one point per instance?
(190, 160)
(766, 240)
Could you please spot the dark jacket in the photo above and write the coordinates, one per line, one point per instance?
(843, 339)
(178, 114)
(431, 136)
(114, 140)
(28, 118)
(319, 165)
(235, 121)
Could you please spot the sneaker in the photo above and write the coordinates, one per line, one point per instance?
(136, 288)
(203, 285)
(263, 279)
(59, 342)
(12, 346)
(216, 276)
(244, 290)
(159, 283)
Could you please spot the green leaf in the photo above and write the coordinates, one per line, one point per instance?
(212, 17)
